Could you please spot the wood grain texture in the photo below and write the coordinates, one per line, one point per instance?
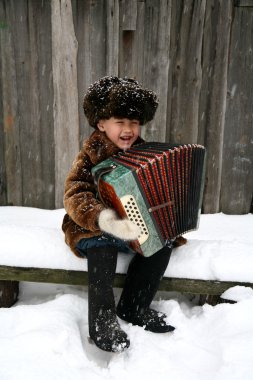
(196, 54)
(129, 14)
(237, 163)
(186, 71)
(217, 105)
(90, 28)
(66, 123)
(11, 107)
(60, 276)
(156, 62)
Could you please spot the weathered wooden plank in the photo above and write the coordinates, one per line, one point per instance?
(3, 189)
(44, 122)
(237, 165)
(57, 276)
(60, 276)
(112, 37)
(90, 25)
(129, 14)
(243, 3)
(131, 52)
(156, 62)
(80, 20)
(221, 25)
(196, 286)
(29, 110)
(10, 105)
(208, 49)
(27, 105)
(127, 53)
(186, 70)
(66, 122)
(38, 157)
(26, 83)
(138, 44)
(26, 97)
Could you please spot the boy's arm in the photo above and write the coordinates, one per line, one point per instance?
(80, 200)
(85, 209)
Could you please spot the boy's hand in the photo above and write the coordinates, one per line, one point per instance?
(121, 228)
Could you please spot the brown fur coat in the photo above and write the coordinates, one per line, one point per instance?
(80, 201)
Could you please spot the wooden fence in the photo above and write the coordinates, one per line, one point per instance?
(196, 54)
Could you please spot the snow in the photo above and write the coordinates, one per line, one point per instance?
(221, 249)
(44, 336)
(237, 293)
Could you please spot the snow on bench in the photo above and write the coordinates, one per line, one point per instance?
(217, 256)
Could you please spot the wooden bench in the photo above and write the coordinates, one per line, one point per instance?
(208, 290)
(71, 277)
(34, 226)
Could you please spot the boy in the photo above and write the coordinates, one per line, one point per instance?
(116, 108)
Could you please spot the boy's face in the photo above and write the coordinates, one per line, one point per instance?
(121, 131)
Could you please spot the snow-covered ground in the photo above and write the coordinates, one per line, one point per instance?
(44, 336)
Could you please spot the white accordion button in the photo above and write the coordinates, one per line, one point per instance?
(133, 213)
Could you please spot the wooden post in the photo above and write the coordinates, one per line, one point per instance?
(8, 293)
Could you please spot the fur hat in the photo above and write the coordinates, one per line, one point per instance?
(119, 97)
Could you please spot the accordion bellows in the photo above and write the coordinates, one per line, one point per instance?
(156, 185)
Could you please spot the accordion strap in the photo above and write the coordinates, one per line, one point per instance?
(97, 177)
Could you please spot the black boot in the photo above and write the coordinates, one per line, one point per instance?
(142, 282)
(104, 327)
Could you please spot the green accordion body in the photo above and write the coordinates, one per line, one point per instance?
(156, 185)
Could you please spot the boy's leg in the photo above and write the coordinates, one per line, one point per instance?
(142, 282)
(104, 328)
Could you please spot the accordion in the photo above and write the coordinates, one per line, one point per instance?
(158, 186)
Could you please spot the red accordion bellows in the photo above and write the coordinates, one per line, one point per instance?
(169, 177)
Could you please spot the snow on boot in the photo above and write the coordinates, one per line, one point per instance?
(104, 328)
(150, 319)
(107, 333)
(142, 281)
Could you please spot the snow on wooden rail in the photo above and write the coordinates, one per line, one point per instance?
(217, 256)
